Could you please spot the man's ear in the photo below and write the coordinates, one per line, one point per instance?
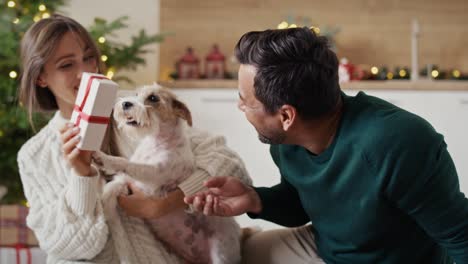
(288, 114)
(182, 111)
(41, 81)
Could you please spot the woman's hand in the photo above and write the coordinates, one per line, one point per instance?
(139, 205)
(226, 196)
(80, 160)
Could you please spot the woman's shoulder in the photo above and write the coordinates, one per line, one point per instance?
(40, 142)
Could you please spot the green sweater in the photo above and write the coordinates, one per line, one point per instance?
(385, 191)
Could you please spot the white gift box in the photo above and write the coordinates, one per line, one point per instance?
(93, 106)
(22, 255)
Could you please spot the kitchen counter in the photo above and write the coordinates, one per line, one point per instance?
(440, 85)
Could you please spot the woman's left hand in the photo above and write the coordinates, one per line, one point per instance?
(137, 204)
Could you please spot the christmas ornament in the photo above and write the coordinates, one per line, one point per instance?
(188, 66)
(215, 64)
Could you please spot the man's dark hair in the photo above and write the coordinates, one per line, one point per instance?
(294, 66)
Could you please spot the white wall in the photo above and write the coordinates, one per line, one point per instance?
(143, 14)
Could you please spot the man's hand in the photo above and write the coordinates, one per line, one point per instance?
(137, 204)
(226, 196)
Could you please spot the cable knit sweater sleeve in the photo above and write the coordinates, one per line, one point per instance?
(213, 158)
(65, 212)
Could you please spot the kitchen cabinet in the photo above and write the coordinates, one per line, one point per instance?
(216, 110)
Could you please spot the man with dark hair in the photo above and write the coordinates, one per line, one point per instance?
(376, 181)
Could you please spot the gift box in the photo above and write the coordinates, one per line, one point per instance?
(22, 255)
(93, 106)
(13, 229)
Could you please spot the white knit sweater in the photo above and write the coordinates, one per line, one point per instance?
(66, 212)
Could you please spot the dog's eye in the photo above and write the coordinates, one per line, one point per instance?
(153, 98)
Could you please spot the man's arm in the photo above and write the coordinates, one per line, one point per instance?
(429, 192)
(281, 204)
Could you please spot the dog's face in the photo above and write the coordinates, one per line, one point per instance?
(152, 109)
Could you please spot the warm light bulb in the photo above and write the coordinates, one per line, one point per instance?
(402, 73)
(456, 73)
(435, 73)
(283, 25)
(16, 21)
(11, 4)
(104, 58)
(42, 7)
(101, 40)
(110, 74)
(389, 75)
(36, 18)
(45, 15)
(374, 70)
(13, 74)
(27, 204)
(316, 30)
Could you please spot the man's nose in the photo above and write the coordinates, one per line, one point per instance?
(126, 105)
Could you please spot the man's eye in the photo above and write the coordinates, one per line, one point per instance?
(153, 98)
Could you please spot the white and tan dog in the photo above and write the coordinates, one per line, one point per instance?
(152, 120)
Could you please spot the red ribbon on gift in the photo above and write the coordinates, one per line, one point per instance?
(18, 248)
(79, 109)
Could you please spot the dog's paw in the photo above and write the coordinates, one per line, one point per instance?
(104, 162)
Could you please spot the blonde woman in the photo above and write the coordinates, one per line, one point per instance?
(60, 182)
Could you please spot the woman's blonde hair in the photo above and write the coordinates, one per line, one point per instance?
(37, 47)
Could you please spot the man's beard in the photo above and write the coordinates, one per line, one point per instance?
(274, 139)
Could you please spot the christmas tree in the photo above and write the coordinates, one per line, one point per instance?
(15, 18)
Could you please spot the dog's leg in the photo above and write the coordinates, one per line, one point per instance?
(226, 244)
(109, 164)
(139, 171)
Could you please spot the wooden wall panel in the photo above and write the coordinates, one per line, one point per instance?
(374, 32)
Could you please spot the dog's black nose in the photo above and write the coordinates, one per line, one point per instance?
(126, 105)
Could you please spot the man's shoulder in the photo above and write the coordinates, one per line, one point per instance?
(380, 128)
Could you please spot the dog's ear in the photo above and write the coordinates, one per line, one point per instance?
(182, 111)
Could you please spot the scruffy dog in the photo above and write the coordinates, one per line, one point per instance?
(161, 160)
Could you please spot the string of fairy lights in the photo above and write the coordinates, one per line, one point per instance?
(43, 13)
(374, 70)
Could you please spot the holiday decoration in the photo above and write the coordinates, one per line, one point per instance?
(345, 70)
(22, 255)
(402, 73)
(188, 67)
(93, 106)
(350, 72)
(15, 18)
(13, 229)
(300, 21)
(215, 64)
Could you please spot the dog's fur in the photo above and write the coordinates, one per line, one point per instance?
(152, 121)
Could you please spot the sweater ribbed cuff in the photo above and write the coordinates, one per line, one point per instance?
(264, 194)
(194, 184)
(82, 194)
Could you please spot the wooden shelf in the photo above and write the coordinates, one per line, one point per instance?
(354, 85)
